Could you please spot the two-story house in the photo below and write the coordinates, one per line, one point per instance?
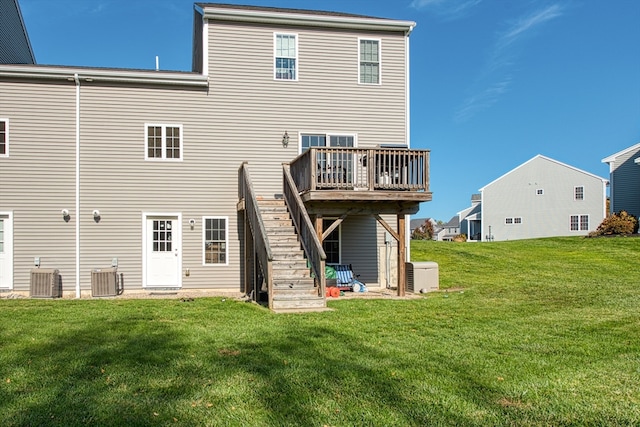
(624, 172)
(540, 198)
(284, 150)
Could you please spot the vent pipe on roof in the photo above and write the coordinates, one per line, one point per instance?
(157, 63)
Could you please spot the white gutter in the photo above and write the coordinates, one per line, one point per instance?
(77, 80)
(104, 75)
(305, 18)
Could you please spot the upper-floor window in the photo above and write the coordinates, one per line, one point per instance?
(369, 61)
(164, 142)
(539, 191)
(286, 56)
(579, 193)
(4, 138)
(215, 240)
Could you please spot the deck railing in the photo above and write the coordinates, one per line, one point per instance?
(304, 228)
(257, 229)
(387, 169)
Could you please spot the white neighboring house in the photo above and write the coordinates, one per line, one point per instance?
(624, 170)
(540, 198)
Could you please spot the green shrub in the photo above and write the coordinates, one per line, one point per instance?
(617, 223)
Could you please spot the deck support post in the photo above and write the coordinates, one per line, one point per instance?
(402, 255)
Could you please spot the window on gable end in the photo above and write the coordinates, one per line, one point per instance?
(579, 193)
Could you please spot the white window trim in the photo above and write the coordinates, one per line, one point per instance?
(6, 136)
(333, 219)
(539, 191)
(275, 37)
(226, 239)
(580, 222)
(575, 198)
(379, 61)
(164, 127)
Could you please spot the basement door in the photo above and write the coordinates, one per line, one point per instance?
(163, 251)
(6, 251)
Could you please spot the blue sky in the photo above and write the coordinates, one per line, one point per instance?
(493, 82)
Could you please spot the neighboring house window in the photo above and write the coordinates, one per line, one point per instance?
(539, 191)
(164, 142)
(4, 138)
(579, 223)
(517, 220)
(286, 56)
(215, 238)
(369, 61)
(508, 220)
(331, 244)
(579, 193)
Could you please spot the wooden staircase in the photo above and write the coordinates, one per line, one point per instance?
(294, 289)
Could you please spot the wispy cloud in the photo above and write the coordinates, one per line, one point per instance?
(527, 24)
(495, 79)
(448, 9)
(482, 100)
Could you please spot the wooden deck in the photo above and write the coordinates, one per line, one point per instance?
(362, 181)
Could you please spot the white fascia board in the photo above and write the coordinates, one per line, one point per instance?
(613, 157)
(279, 17)
(104, 75)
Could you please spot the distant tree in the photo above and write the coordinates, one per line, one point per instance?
(424, 232)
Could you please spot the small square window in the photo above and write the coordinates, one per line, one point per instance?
(539, 192)
(517, 220)
(164, 142)
(508, 220)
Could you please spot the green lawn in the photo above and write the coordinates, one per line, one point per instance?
(542, 332)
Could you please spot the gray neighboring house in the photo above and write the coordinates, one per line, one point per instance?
(449, 230)
(624, 175)
(15, 47)
(540, 198)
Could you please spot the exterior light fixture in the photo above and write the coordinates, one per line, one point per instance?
(285, 139)
(96, 215)
(65, 213)
(192, 223)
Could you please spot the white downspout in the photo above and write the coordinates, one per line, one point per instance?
(77, 80)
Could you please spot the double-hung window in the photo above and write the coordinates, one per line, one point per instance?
(215, 237)
(164, 142)
(286, 56)
(4, 138)
(369, 53)
(578, 193)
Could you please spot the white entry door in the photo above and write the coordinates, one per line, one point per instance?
(163, 251)
(6, 251)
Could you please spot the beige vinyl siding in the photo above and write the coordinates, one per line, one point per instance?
(37, 179)
(254, 110)
(117, 180)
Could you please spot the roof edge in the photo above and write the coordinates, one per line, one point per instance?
(104, 75)
(303, 18)
(612, 157)
(540, 156)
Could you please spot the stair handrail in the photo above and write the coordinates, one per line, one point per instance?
(258, 231)
(304, 227)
